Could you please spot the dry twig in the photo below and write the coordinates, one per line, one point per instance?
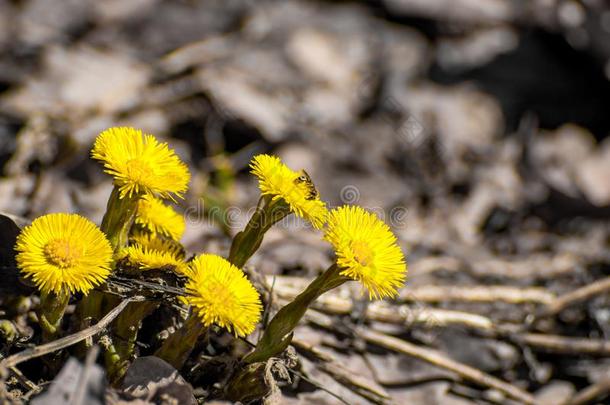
(593, 392)
(573, 297)
(69, 340)
(476, 293)
(433, 357)
(403, 314)
(25, 382)
(564, 344)
(291, 286)
(356, 382)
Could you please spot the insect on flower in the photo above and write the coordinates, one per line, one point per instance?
(304, 178)
(279, 182)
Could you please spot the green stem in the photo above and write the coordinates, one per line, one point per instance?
(88, 308)
(125, 332)
(248, 384)
(178, 347)
(8, 331)
(112, 359)
(51, 311)
(88, 311)
(278, 333)
(116, 224)
(119, 217)
(247, 242)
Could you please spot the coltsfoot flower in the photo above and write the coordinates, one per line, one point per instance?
(139, 163)
(64, 252)
(278, 181)
(367, 250)
(220, 294)
(158, 218)
(148, 252)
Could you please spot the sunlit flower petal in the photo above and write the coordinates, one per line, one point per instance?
(159, 218)
(278, 181)
(147, 252)
(140, 164)
(221, 294)
(367, 250)
(64, 252)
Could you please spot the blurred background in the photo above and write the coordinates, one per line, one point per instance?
(476, 129)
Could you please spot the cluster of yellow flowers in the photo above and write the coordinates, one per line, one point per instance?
(366, 248)
(65, 254)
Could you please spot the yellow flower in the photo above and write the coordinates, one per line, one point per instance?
(156, 243)
(64, 252)
(221, 294)
(148, 252)
(140, 164)
(367, 250)
(277, 180)
(159, 218)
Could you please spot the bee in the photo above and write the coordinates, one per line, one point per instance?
(312, 192)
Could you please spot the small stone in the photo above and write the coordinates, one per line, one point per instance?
(555, 393)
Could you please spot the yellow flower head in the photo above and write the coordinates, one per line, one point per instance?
(366, 250)
(221, 294)
(277, 180)
(64, 252)
(159, 218)
(140, 164)
(148, 252)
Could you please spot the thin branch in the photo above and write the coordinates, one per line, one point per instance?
(69, 340)
(433, 357)
(594, 392)
(564, 344)
(476, 293)
(23, 380)
(357, 383)
(318, 385)
(573, 297)
(354, 381)
(403, 314)
(291, 286)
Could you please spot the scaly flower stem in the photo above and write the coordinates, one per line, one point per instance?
(247, 242)
(125, 332)
(177, 348)
(89, 308)
(278, 333)
(116, 224)
(119, 217)
(52, 308)
(111, 357)
(88, 311)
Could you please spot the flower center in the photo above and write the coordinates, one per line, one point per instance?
(61, 254)
(138, 170)
(362, 252)
(221, 294)
(222, 302)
